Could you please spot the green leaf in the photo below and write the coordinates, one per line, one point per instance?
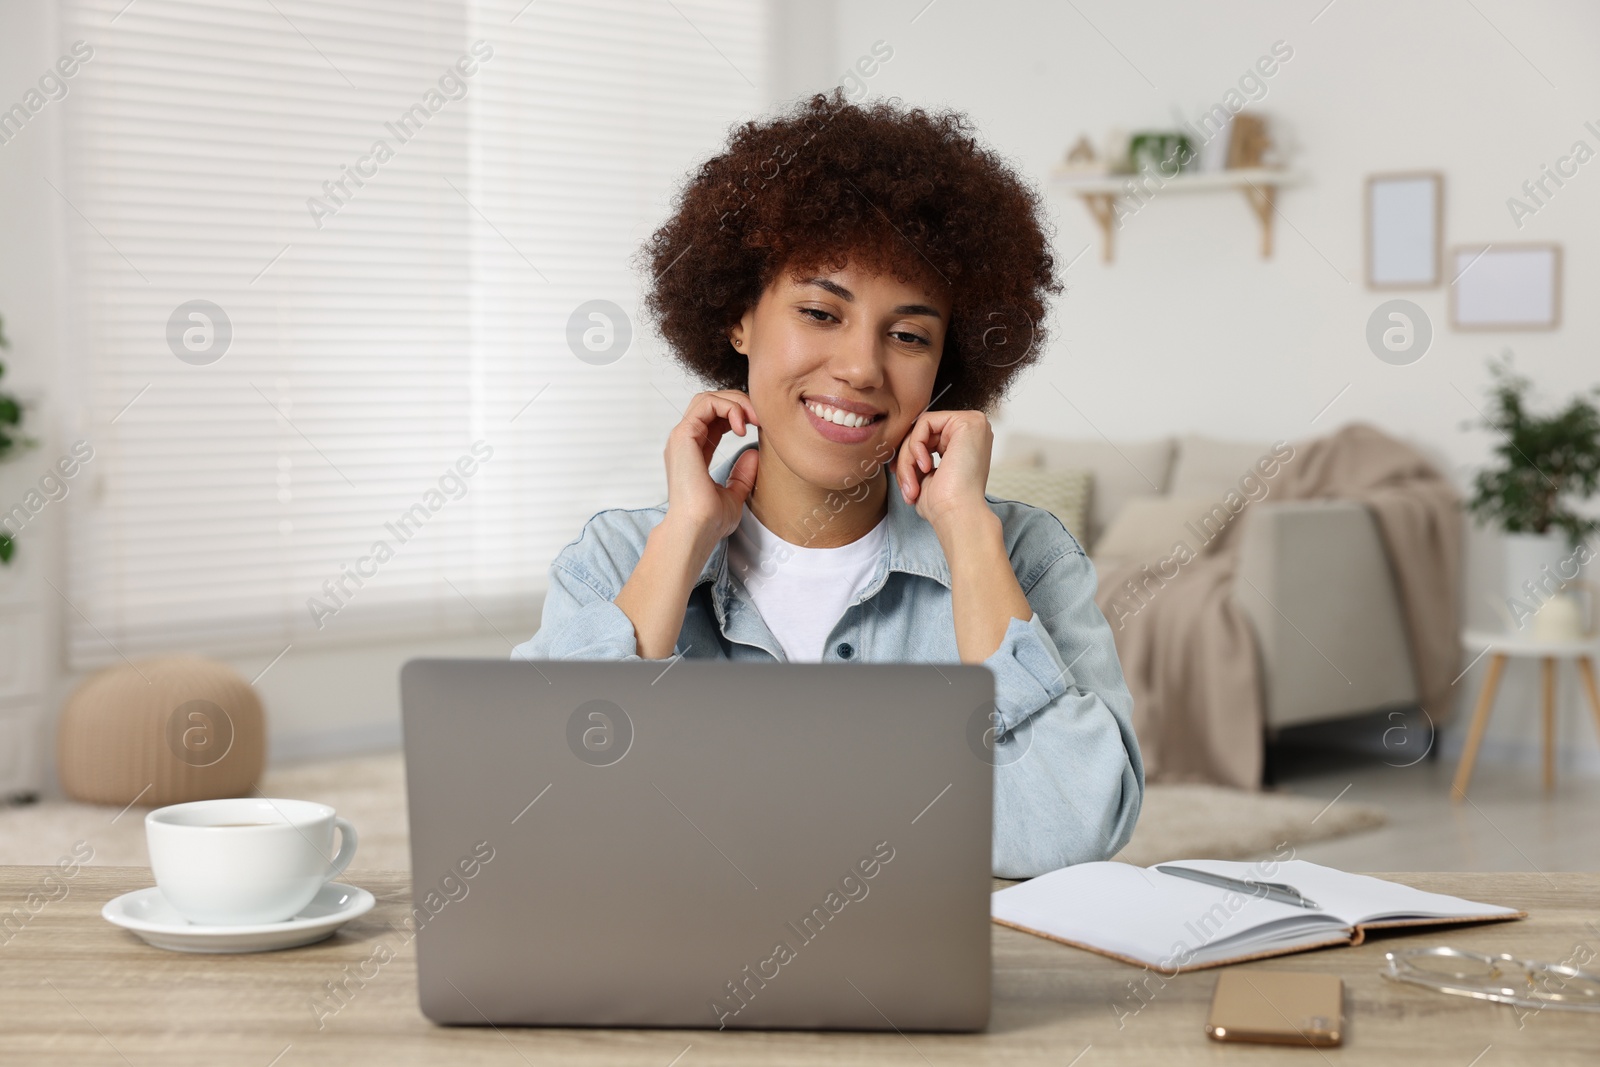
(1544, 460)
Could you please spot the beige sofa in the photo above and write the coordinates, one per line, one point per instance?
(1324, 580)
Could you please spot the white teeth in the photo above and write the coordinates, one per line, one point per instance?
(838, 417)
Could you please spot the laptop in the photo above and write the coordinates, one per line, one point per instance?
(707, 844)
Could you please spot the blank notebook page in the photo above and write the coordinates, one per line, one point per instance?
(1154, 917)
(1354, 898)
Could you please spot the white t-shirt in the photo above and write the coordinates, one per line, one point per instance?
(801, 592)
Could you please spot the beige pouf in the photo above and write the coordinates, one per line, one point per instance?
(162, 731)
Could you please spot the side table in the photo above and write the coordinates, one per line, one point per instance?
(1501, 647)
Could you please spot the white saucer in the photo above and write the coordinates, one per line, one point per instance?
(147, 913)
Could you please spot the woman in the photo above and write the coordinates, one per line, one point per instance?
(861, 284)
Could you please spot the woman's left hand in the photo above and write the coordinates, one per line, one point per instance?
(964, 441)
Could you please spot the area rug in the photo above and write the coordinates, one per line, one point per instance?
(1176, 821)
(1181, 821)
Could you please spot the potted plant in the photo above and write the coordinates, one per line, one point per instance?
(1546, 464)
(10, 418)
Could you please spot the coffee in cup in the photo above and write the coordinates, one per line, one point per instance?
(246, 860)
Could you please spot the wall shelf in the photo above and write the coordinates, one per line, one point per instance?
(1100, 193)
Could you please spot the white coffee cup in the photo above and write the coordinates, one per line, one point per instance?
(246, 860)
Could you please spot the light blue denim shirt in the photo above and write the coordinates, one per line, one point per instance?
(1075, 792)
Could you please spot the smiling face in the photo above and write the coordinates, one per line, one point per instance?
(826, 349)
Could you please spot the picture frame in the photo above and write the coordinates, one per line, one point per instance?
(1506, 286)
(1404, 230)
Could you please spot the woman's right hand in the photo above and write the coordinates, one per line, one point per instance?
(693, 496)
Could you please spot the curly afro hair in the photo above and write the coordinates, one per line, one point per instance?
(893, 191)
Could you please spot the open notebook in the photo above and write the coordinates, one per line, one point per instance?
(1142, 916)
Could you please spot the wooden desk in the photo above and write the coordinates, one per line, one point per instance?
(76, 990)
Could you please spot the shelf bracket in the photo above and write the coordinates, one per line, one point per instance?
(1260, 198)
(1103, 206)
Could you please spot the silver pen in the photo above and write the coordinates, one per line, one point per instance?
(1279, 891)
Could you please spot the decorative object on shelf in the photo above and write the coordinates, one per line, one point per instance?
(1404, 230)
(1547, 462)
(161, 731)
(1214, 150)
(1167, 152)
(10, 439)
(1248, 141)
(1080, 159)
(1506, 287)
(1153, 162)
(1114, 150)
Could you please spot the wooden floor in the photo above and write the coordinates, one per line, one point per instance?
(1508, 822)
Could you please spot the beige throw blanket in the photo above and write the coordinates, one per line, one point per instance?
(1189, 656)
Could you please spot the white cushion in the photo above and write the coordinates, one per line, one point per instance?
(1122, 470)
(1208, 466)
(1148, 529)
(1063, 493)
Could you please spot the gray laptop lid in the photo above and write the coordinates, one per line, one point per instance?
(714, 845)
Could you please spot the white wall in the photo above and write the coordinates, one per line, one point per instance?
(1189, 330)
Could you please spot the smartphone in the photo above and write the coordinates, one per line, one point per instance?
(1277, 1007)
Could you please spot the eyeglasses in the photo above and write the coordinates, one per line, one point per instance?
(1501, 978)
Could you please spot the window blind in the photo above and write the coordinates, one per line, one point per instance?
(326, 257)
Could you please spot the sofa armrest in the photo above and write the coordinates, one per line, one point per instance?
(1315, 581)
